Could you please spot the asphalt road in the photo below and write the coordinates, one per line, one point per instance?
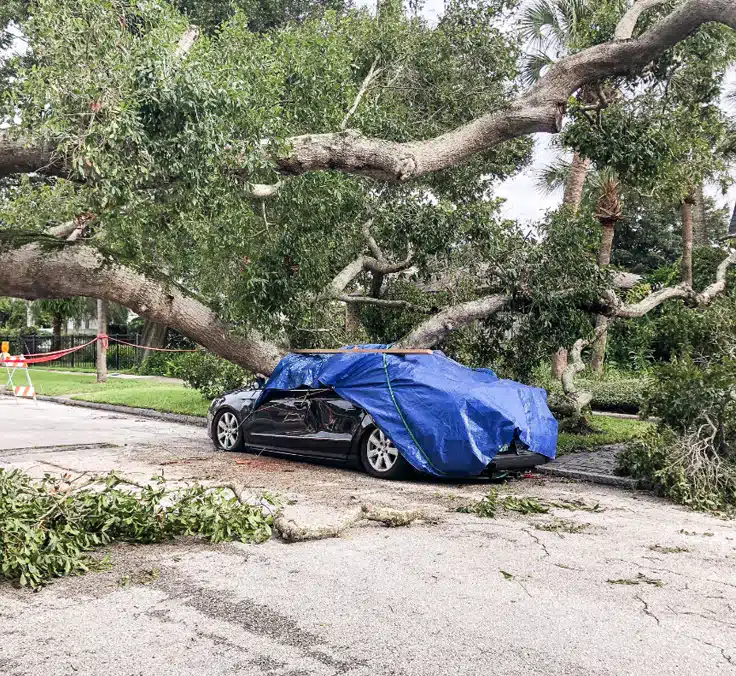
(465, 596)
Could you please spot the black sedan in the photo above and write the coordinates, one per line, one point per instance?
(318, 424)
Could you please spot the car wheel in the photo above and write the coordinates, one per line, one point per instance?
(379, 457)
(228, 432)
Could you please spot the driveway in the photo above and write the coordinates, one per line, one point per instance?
(518, 594)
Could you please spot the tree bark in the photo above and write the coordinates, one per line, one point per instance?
(559, 362)
(575, 181)
(56, 321)
(101, 344)
(686, 266)
(700, 225)
(601, 321)
(154, 335)
(78, 270)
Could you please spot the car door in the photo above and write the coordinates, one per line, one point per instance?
(280, 423)
(331, 423)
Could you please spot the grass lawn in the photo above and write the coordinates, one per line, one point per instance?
(612, 431)
(122, 391)
(169, 398)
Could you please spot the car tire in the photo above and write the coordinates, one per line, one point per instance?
(228, 431)
(379, 457)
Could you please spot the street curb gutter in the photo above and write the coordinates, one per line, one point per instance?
(593, 477)
(193, 420)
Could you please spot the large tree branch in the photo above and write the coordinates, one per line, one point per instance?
(21, 156)
(577, 400)
(34, 272)
(540, 109)
(436, 328)
(625, 27)
(378, 264)
(616, 308)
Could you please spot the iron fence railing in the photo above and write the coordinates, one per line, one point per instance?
(119, 357)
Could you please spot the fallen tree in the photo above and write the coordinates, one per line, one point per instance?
(34, 271)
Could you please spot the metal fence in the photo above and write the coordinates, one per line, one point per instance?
(119, 357)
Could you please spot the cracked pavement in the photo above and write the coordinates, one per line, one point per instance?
(467, 595)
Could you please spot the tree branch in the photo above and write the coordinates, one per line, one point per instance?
(33, 272)
(577, 400)
(373, 73)
(186, 42)
(436, 328)
(382, 302)
(625, 27)
(378, 264)
(540, 109)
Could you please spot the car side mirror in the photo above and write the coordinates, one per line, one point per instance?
(258, 383)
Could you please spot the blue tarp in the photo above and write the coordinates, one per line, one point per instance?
(446, 419)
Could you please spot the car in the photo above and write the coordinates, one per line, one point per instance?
(319, 424)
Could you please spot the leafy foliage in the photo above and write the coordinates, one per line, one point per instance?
(684, 467)
(686, 394)
(692, 456)
(49, 527)
(209, 374)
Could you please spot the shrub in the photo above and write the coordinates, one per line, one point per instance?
(161, 364)
(684, 467)
(686, 394)
(691, 457)
(49, 527)
(209, 374)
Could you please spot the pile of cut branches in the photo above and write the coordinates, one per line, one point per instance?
(48, 528)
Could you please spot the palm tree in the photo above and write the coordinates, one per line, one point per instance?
(608, 212)
(553, 29)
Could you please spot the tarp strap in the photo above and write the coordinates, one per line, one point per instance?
(403, 420)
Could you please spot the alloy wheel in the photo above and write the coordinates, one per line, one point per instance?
(381, 452)
(227, 430)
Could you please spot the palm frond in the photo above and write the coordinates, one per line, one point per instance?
(539, 25)
(533, 65)
(553, 176)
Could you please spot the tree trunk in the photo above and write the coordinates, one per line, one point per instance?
(572, 198)
(154, 335)
(700, 225)
(604, 253)
(604, 260)
(575, 181)
(686, 268)
(559, 363)
(79, 270)
(101, 344)
(352, 320)
(56, 321)
(29, 313)
(732, 224)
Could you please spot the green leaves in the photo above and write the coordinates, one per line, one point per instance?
(48, 528)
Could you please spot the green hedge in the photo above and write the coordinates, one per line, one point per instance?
(619, 395)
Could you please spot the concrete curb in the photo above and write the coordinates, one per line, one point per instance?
(592, 477)
(194, 420)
